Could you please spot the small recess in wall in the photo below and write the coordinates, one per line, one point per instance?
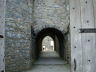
(73, 8)
(75, 47)
(74, 27)
(87, 21)
(86, 2)
(88, 40)
(89, 60)
(3, 59)
(2, 71)
(1, 36)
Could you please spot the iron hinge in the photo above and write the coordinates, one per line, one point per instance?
(88, 30)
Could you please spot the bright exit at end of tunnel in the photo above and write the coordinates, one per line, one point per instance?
(48, 44)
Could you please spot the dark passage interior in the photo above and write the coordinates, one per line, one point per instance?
(57, 37)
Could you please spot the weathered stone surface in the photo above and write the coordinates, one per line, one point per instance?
(51, 13)
(2, 35)
(18, 35)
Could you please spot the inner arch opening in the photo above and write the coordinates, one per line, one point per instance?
(47, 44)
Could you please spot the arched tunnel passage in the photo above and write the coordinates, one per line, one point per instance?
(57, 37)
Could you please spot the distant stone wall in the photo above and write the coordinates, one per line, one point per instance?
(18, 35)
(47, 44)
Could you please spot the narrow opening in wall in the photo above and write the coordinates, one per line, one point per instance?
(47, 44)
(2, 71)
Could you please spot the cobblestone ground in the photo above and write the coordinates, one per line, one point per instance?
(50, 62)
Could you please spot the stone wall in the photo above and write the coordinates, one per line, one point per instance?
(18, 35)
(51, 13)
(67, 46)
(2, 35)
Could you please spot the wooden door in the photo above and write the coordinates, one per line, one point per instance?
(88, 36)
(76, 45)
(83, 36)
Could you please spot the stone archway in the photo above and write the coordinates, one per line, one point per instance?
(57, 36)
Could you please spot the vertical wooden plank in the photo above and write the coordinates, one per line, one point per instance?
(2, 30)
(94, 9)
(88, 39)
(75, 25)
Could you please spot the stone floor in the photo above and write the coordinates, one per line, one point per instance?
(50, 62)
